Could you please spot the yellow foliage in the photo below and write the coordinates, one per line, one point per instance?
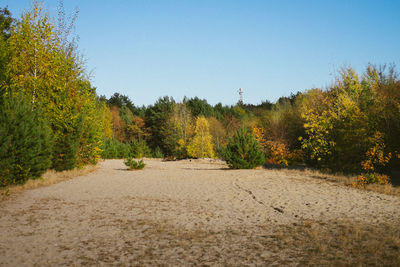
(260, 135)
(277, 153)
(106, 121)
(218, 132)
(376, 156)
(319, 116)
(200, 145)
(371, 178)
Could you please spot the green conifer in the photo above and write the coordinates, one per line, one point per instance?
(25, 142)
(243, 151)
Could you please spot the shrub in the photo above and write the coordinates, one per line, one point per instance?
(276, 153)
(376, 158)
(372, 178)
(157, 153)
(25, 142)
(243, 151)
(134, 165)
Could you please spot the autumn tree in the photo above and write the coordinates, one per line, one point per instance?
(136, 130)
(201, 144)
(383, 107)
(45, 68)
(105, 119)
(177, 131)
(319, 119)
(218, 132)
(118, 124)
(351, 127)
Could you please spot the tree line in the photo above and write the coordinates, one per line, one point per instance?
(353, 126)
(52, 117)
(50, 113)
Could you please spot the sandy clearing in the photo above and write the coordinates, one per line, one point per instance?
(183, 212)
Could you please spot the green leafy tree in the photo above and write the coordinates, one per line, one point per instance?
(243, 151)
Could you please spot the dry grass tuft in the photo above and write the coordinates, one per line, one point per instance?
(48, 178)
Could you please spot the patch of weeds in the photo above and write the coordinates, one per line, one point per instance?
(134, 165)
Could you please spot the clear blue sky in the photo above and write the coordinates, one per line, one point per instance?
(207, 48)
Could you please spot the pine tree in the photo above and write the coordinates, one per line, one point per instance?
(25, 142)
(243, 151)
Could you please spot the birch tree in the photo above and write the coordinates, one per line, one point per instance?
(201, 145)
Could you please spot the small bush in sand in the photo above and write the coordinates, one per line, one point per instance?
(243, 151)
(134, 165)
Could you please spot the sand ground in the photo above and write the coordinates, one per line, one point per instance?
(176, 213)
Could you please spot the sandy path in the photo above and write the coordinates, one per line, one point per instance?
(173, 213)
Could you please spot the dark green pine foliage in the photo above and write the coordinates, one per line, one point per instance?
(25, 142)
(243, 151)
(155, 120)
(199, 107)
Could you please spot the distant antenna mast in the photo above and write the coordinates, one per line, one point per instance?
(240, 96)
